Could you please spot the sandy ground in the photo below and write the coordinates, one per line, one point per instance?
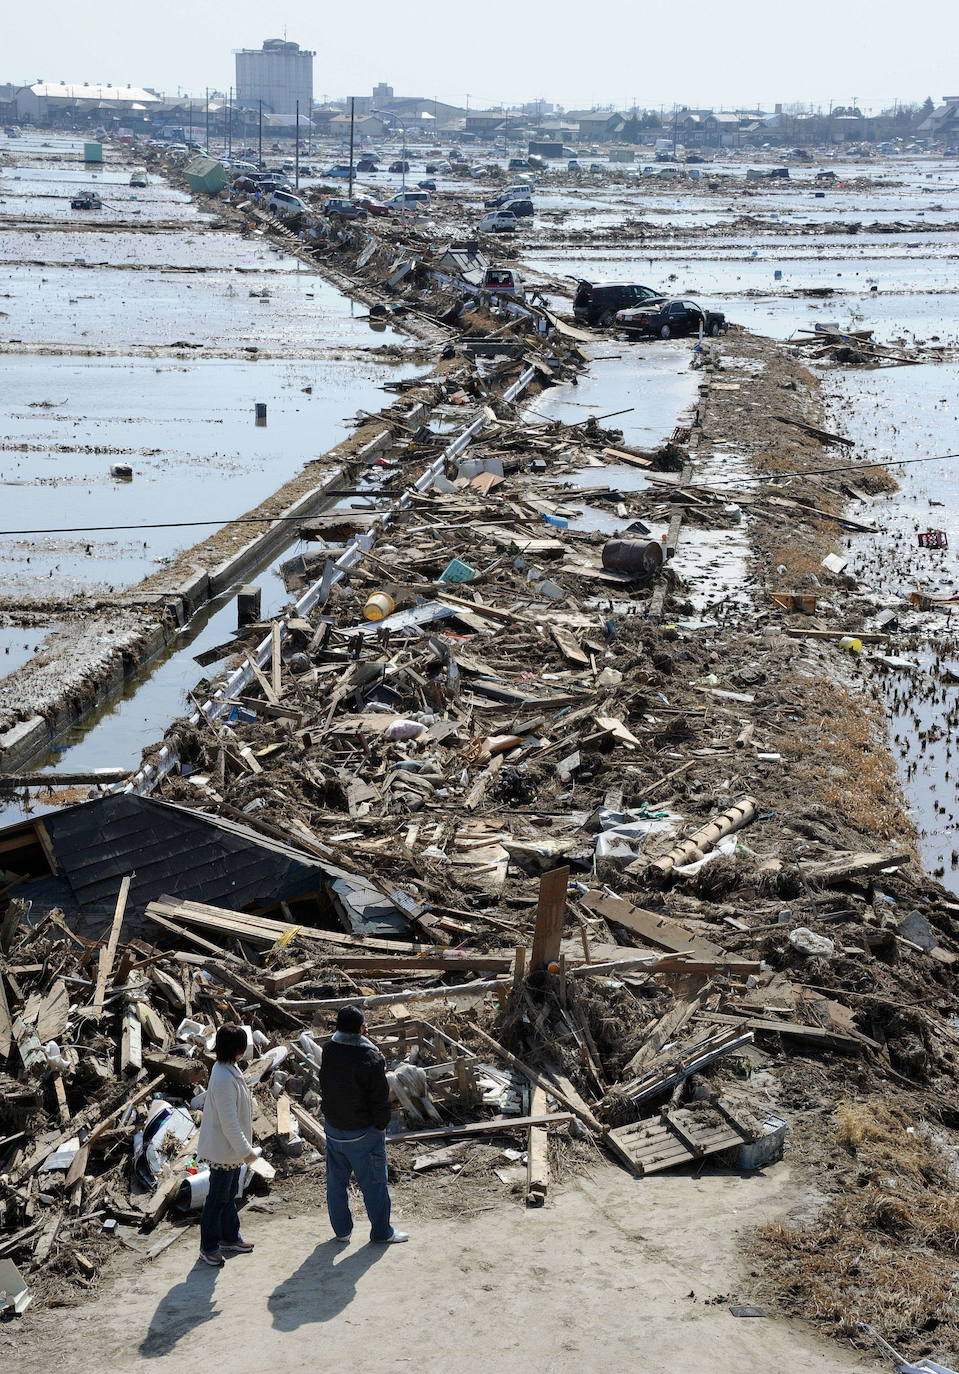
(614, 1272)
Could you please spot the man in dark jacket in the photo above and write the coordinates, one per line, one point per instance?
(356, 1112)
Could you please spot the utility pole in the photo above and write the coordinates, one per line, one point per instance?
(229, 125)
(206, 145)
(259, 141)
(190, 139)
(352, 121)
(296, 155)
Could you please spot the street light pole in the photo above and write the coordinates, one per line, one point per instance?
(259, 143)
(296, 155)
(352, 121)
(229, 125)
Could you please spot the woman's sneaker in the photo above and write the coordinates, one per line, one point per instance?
(238, 1246)
(212, 1257)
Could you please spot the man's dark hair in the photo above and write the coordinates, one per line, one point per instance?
(230, 1043)
(349, 1019)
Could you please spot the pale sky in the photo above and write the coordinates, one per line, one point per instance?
(734, 53)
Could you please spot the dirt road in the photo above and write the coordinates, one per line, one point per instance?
(613, 1273)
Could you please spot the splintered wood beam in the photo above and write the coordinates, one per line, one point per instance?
(108, 953)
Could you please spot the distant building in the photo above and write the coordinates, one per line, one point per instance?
(597, 126)
(279, 74)
(364, 126)
(382, 95)
(63, 102)
(944, 120)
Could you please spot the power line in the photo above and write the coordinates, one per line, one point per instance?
(305, 519)
(824, 472)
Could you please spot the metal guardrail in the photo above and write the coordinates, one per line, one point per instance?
(215, 706)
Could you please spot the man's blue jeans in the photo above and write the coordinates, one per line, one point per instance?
(362, 1153)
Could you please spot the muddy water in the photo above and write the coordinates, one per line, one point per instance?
(914, 413)
(652, 382)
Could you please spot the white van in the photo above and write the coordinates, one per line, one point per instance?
(283, 203)
(409, 200)
(498, 222)
(138, 177)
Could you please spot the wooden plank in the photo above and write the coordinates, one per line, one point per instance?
(268, 708)
(550, 912)
(310, 1128)
(867, 637)
(6, 1022)
(537, 1152)
(276, 661)
(78, 1167)
(287, 977)
(498, 1123)
(96, 775)
(385, 999)
(231, 979)
(131, 1045)
(476, 793)
(284, 1117)
(814, 1035)
(265, 685)
(53, 1012)
(108, 953)
(383, 966)
(263, 930)
(632, 459)
(848, 867)
(569, 646)
(656, 930)
(192, 936)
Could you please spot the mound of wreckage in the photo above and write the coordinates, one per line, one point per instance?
(493, 779)
(545, 840)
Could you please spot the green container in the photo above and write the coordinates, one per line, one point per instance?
(93, 152)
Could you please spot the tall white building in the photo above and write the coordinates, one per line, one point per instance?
(280, 74)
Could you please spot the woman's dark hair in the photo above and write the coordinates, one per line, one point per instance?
(230, 1043)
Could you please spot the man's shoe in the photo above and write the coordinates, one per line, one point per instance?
(238, 1246)
(344, 1238)
(397, 1238)
(212, 1257)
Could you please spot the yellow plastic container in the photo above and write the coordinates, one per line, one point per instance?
(851, 643)
(378, 605)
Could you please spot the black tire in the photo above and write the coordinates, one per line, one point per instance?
(714, 328)
(665, 331)
(608, 319)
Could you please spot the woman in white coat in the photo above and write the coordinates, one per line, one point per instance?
(225, 1143)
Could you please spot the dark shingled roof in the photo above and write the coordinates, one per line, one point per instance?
(177, 852)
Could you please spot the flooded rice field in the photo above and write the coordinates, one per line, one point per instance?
(186, 429)
(111, 415)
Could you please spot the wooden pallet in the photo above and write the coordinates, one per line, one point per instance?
(678, 1137)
